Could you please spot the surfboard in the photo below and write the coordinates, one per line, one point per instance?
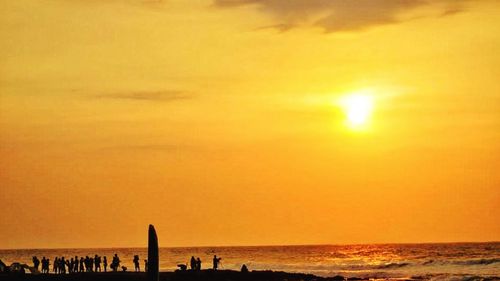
(153, 259)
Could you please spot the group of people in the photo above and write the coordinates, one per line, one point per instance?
(93, 264)
(195, 263)
(61, 265)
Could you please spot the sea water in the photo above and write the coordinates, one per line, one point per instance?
(443, 261)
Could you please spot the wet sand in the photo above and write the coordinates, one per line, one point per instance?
(204, 275)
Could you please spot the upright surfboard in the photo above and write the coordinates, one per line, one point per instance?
(153, 262)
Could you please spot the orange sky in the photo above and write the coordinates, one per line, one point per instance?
(219, 121)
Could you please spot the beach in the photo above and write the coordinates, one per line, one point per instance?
(207, 275)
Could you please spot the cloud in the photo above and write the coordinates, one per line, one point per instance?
(451, 11)
(280, 27)
(168, 95)
(339, 15)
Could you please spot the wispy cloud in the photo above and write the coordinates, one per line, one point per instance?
(167, 95)
(451, 11)
(279, 27)
(340, 15)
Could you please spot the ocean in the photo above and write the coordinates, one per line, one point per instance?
(443, 261)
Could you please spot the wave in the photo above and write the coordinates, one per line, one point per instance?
(454, 277)
(463, 262)
(393, 265)
(479, 261)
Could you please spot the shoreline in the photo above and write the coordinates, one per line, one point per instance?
(207, 275)
(178, 275)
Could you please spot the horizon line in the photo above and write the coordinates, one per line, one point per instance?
(256, 246)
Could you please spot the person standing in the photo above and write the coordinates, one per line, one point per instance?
(115, 264)
(62, 266)
(216, 262)
(75, 266)
(198, 264)
(82, 262)
(55, 265)
(136, 263)
(193, 263)
(97, 263)
(105, 263)
(36, 262)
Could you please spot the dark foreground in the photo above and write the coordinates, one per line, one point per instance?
(204, 275)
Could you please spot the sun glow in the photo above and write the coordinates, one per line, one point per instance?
(358, 108)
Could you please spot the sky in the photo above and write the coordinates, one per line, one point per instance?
(224, 122)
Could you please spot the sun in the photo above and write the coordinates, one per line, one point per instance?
(358, 108)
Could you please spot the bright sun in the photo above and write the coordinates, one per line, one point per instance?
(358, 108)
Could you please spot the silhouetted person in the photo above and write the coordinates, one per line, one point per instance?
(36, 262)
(193, 263)
(45, 265)
(115, 264)
(136, 263)
(216, 262)
(244, 268)
(62, 266)
(146, 265)
(55, 265)
(97, 263)
(75, 265)
(82, 262)
(198, 264)
(105, 263)
(86, 263)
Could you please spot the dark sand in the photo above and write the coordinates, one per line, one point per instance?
(204, 275)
